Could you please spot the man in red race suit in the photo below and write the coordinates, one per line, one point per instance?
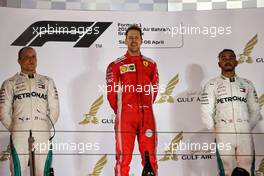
(132, 86)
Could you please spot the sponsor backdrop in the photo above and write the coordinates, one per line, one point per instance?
(74, 48)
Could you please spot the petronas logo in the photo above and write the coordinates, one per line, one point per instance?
(91, 116)
(170, 153)
(166, 96)
(246, 55)
(99, 166)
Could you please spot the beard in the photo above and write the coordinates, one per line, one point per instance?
(134, 49)
(228, 67)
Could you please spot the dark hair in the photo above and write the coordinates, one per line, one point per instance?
(134, 27)
(224, 50)
(22, 49)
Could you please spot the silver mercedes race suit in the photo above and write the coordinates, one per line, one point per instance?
(29, 103)
(230, 107)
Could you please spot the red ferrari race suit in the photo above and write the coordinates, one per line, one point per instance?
(132, 85)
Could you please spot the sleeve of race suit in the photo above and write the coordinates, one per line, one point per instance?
(6, 103)
(112, 78)
(53, 102)
(253, 106)
(155, 81)
(208, 101)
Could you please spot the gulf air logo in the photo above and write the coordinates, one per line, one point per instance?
(170, 153)
(99, 166)
(166, 96)
(91, 116)
(246, 55)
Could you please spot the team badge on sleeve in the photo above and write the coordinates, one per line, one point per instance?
(145, 63)
(2, 95)
(255, 95)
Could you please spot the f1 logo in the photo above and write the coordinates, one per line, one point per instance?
(83, 33)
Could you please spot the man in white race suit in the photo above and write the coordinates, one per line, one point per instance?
(28, 101)
(230, 107)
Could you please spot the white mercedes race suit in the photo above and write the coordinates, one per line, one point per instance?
(27, 103)
(230, 107)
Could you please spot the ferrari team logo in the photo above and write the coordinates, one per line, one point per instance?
(145, 63)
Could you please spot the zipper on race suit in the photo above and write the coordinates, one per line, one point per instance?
(30, 90)
(140, 97)
(233, 113)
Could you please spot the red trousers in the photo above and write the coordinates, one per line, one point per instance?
(128, 126)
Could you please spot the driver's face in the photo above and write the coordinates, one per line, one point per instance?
(133, 41)
(227, 61)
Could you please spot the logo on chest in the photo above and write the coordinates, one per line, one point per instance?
(40, 84)
(145, 63)
(127, 68)
(242, 87)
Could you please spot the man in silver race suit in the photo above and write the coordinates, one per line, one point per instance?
(230, 107)
(29, 101)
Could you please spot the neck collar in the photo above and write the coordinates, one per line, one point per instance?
(128, 55)
(231, 79)
(30, 76)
